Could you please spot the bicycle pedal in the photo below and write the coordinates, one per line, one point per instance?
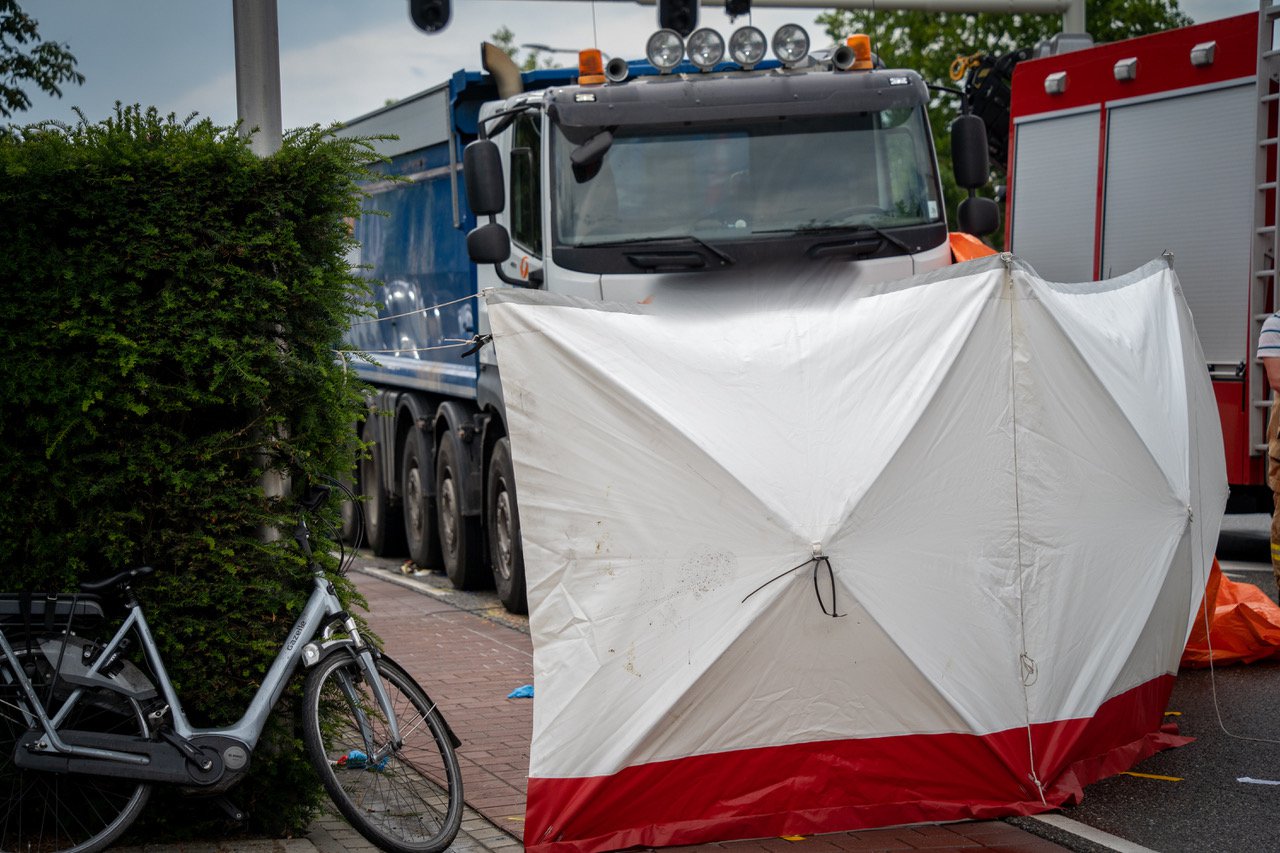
(156, 715)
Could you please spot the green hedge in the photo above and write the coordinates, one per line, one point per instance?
(171, 308)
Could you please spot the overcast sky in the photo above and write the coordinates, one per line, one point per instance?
(338, 58)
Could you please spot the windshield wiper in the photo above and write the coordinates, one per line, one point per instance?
(878, 231)
(655, 260)
(725, 260)
(835, 247)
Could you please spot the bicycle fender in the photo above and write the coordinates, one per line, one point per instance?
(68, 655)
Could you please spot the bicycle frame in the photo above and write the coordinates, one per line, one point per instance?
(322, 605)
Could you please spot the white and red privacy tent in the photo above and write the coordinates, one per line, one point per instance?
(1007, 490)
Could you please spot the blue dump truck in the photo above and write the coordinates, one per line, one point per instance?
(611, 181)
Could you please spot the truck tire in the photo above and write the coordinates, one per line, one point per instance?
(502, 522)
(420, 524)
(459, 534)
(384, 526)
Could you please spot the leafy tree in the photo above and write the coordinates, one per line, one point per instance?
(24, 56)
(505, 39)
(929, 42)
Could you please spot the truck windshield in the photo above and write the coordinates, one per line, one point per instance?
(730, 182)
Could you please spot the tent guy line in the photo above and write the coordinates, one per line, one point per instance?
(818, 560)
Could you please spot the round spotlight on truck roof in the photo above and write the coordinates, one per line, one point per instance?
(705, 48)
(791, 44)
(747, 46)
(664, 50)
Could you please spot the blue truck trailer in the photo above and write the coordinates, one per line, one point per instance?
(611, 181)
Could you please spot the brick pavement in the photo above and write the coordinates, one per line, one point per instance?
(468, 663)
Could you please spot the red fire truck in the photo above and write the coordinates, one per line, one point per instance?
(1120, 152)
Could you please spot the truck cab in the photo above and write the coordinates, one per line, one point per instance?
(613, 189)
(621, 182)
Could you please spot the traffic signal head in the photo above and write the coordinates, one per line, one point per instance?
(678, 15)
(429, 15)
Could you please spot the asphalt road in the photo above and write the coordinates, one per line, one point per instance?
(1232, 713)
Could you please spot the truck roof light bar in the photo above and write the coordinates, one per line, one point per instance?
(590, 67)
(860, 44)
(706, 48)
(664, 50)
(747, 46)
(791, 44)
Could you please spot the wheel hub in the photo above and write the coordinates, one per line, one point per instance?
(502, 515)
(413, 500)
(448, 515)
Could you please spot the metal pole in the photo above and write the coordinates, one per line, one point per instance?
(1073, 18)
(257, 35)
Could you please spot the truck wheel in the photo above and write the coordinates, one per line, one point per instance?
(419, 507)
(459, 534)
(383, 525)
(502, 520)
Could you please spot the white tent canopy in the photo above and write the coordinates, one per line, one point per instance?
(1008, 489)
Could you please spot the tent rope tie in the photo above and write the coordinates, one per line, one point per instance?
(1029, 671)
(1035, 780)
(817, 561)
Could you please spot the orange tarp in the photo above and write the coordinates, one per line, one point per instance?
(1244, 625)
(966, 247)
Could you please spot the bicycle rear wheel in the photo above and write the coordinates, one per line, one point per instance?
(48, 812)
(408, 800)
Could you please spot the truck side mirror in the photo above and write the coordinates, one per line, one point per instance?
(586, 158)
(978, 216)
(489, 244)
(482, 173)
(969, 158)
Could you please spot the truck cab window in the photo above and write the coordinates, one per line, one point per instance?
(526, 185)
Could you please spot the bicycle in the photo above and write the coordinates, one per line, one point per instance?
(85, 733)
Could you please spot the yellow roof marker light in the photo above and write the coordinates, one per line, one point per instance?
(590, 67)
(791, 44)
(706, 48)
(664, 50)
(861, 45)
(747, 46)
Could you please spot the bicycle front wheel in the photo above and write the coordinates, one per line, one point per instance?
(65, 812)
(405, 797)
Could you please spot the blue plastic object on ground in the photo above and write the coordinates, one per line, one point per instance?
(358, 760)
(525, 692)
